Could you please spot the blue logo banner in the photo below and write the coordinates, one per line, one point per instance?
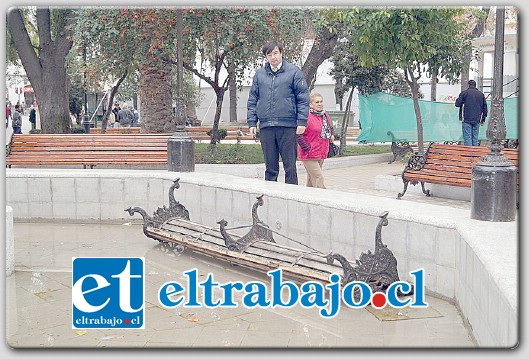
(108, 292)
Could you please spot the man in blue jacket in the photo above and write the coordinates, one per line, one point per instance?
(279, 101)
(474, 112)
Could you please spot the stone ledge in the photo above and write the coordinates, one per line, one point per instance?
(485, 253)
(395, 184)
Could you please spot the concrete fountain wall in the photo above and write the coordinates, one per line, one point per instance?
(471, 263)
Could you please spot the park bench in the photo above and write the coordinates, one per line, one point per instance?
(87, 150)
(258, 249)
(116, 130)
(405, 142)
(197, 133)
(447, 164)
(234, 133)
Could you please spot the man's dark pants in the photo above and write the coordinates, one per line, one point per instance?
(277, 141)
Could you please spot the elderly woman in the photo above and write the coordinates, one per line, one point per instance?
(313, 145)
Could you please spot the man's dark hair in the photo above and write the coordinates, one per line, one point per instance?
(270, 46)
(471, 83)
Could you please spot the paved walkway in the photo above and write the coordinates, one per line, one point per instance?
(361, 179)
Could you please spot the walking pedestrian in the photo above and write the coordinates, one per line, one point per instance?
(33, 117)
(313, 145)
(279, 101)
(17, 120)
(125, 116)
(136, 119)
(474, 112)
(8, 113)
(115, 111)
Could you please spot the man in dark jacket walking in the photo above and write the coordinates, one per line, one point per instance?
(474, 112)
(279, 101)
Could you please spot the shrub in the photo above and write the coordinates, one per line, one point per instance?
(221, 134)
(227, 154)
(78, 129)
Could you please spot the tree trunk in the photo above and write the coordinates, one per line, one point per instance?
(232, 86)
(465, 71)
(433, 86)
(113, 92)
(191, 110)
(156, 97)
(321, 50)
(338, 93)
(219, 93)
(414, 86)
(53, 105)
(345, 122)
(476, 32)
(47, 69)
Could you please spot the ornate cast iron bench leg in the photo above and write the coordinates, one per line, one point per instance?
(378, 269)
(400, 149)
(161, 215)
(425, 191)
(415, 162)
(258, 232)
(406, 182)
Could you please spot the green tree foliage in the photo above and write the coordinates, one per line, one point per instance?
(122, 41)
(234, 36)
(101, 53)
(411, 39)
(76, 98)
(351, 75)
(42, 41)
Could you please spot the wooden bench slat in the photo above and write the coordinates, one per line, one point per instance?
(452, 165)
(117, 146)
(88, 149)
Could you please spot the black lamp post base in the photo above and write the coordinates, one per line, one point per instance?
(86, 123)
(493, 194)
(181, 153)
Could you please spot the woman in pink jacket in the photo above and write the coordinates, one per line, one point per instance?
(313, 145)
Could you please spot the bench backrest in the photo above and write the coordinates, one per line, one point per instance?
(463, 156)
(452, 164)
(87, 142)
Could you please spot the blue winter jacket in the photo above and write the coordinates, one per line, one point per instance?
(474, 105)
(278, 100)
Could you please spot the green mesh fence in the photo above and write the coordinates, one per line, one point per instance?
(387, 118)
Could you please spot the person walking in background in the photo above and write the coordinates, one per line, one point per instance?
(474, 111)
(279, 101)
(33, 117)
(111, 119)
(115, 111)
(125, 116)
(17, 120)
(313, 145)
(8, 113)
(136, 118)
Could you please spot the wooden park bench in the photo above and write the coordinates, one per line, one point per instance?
(116, 130)
(234, 133)
(87, 150)
(197, 133)
(403, 143)
(448, 165)
(258, 250)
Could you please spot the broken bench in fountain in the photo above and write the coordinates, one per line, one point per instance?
(258, 249)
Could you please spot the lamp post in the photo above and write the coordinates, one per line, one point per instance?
(180, 146)
(493, 193)
(86, 118)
